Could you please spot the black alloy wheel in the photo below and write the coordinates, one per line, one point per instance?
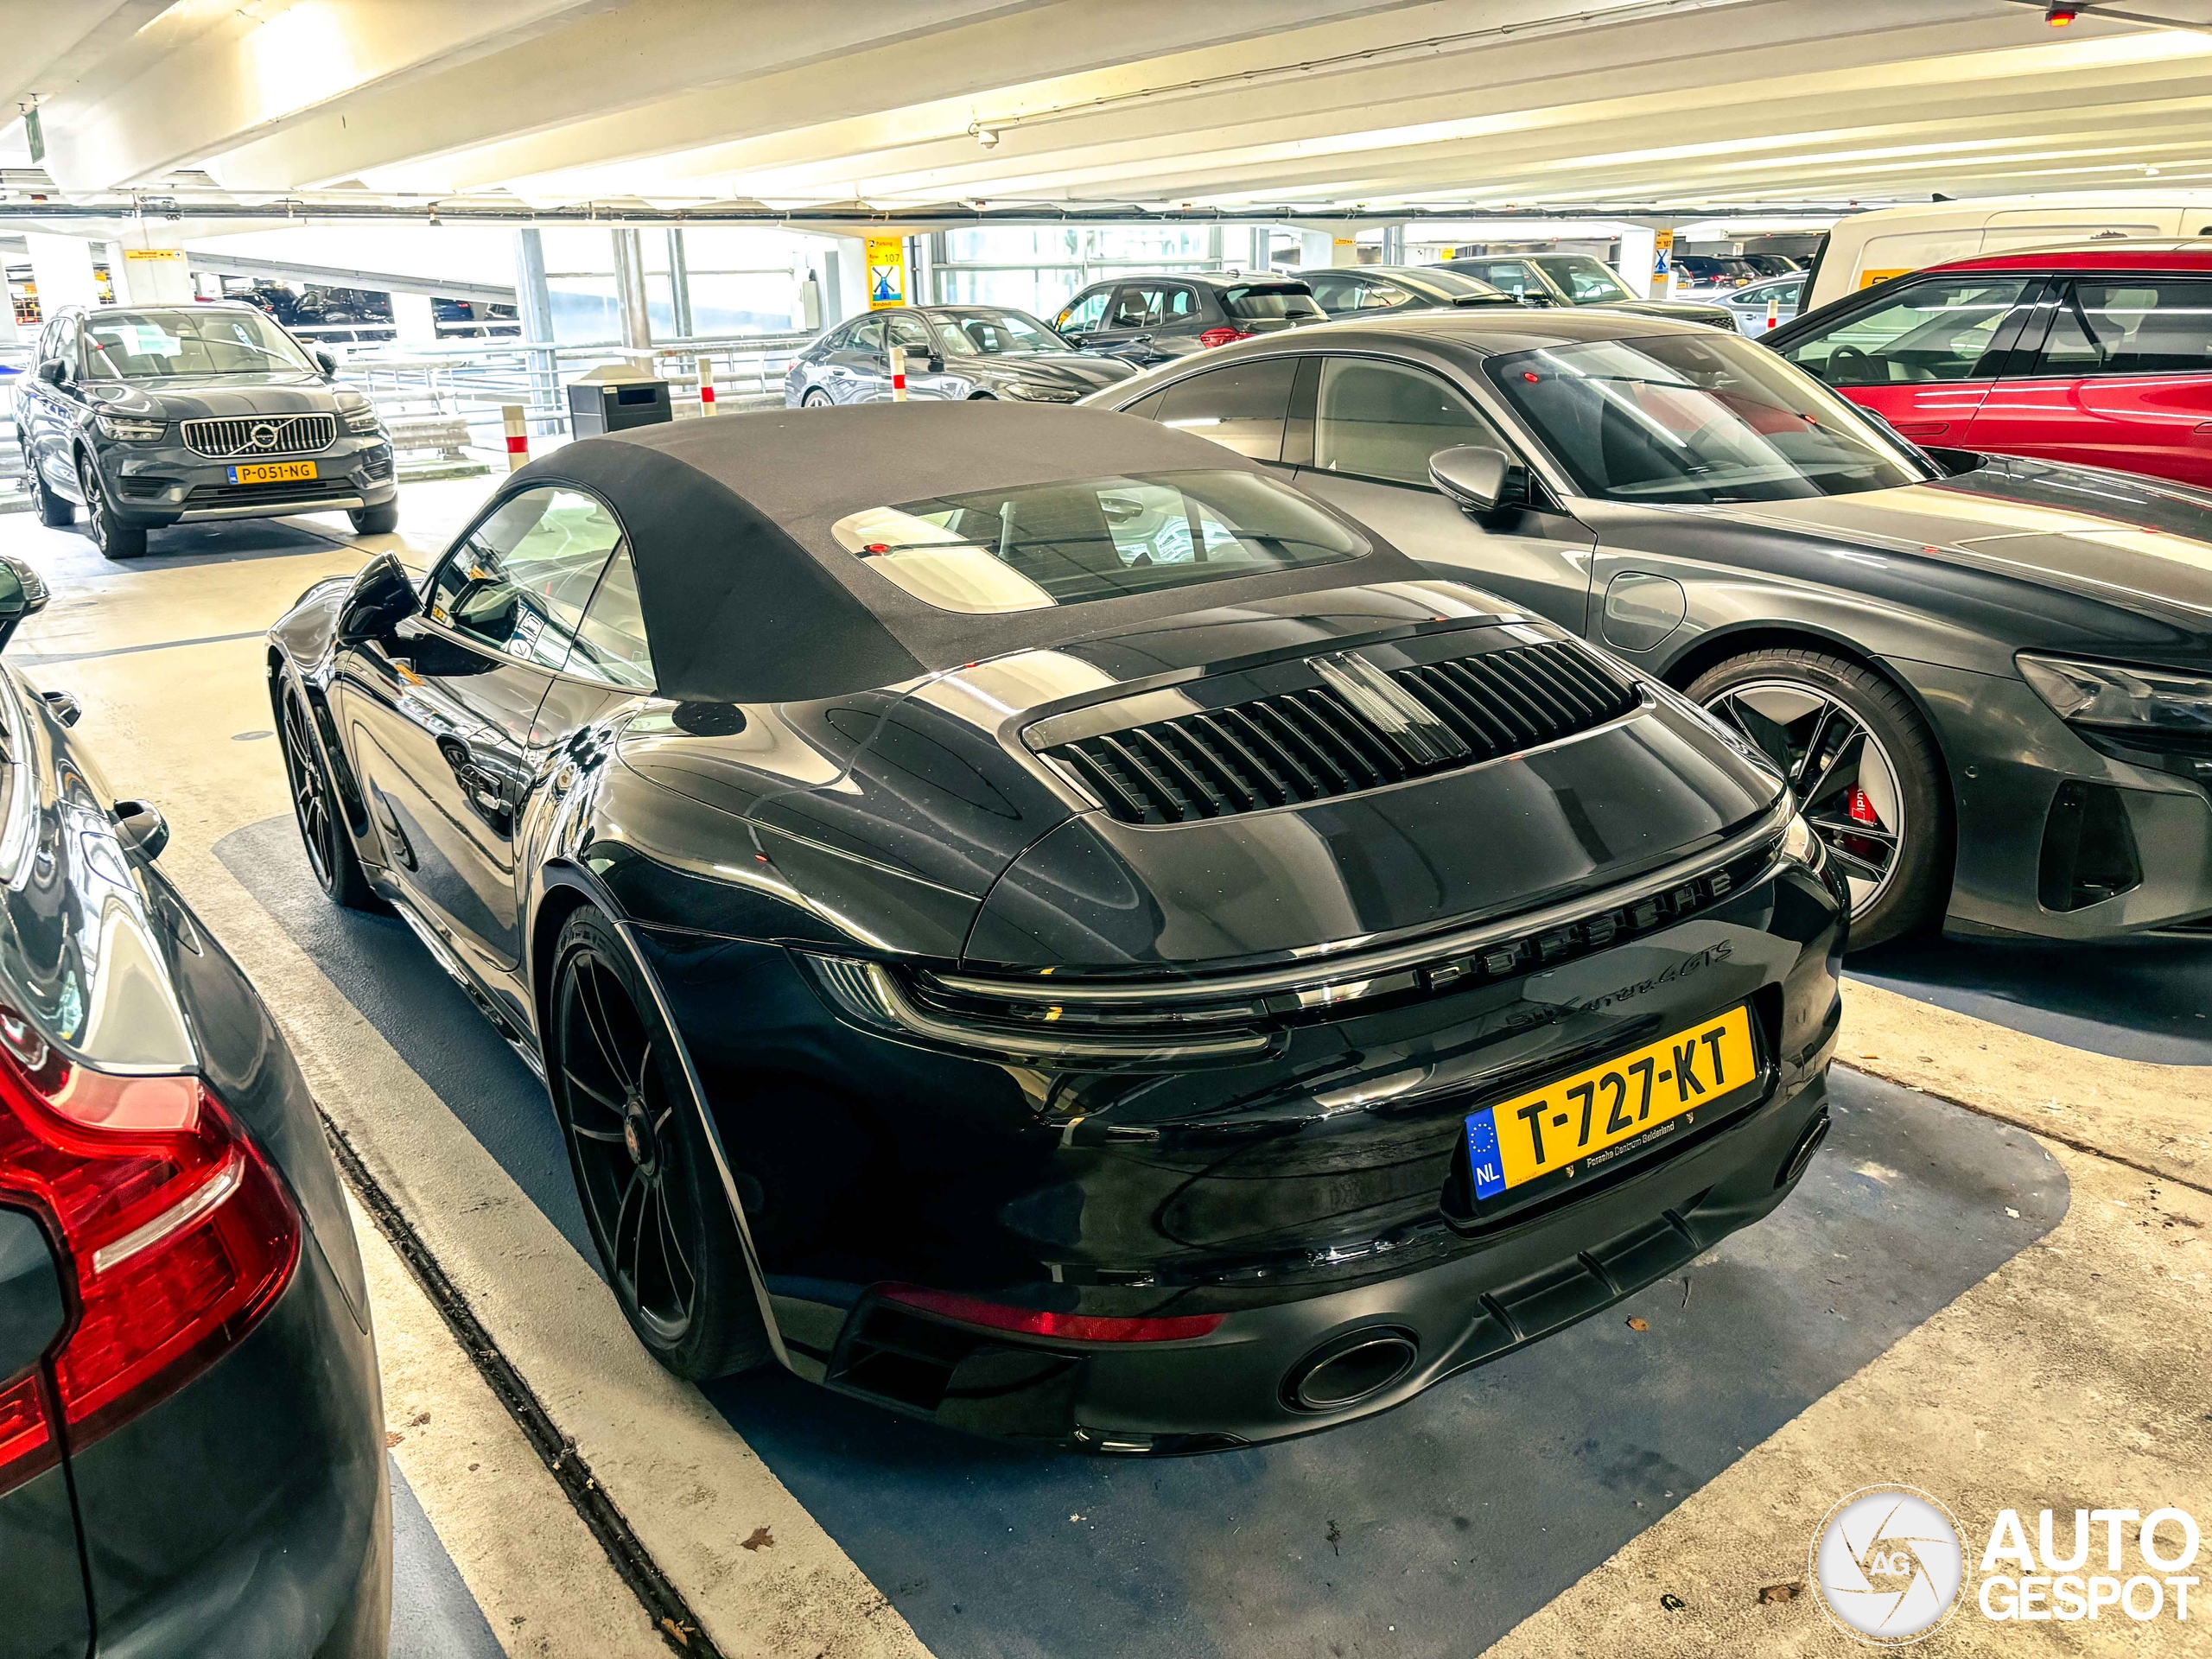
(315, 806)
(53, 511)
(1864, 769)
(115, 538)
(652, 1193)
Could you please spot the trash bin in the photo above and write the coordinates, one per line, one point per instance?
(613, 399)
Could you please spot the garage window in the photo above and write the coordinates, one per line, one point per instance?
(1241, 407)
(1935, 330)
(1385, 419)
(2131, 324)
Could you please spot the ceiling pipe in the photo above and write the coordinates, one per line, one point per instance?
(947, 215)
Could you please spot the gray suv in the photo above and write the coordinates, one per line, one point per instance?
(151, 416)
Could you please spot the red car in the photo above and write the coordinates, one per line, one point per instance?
(2096, 352)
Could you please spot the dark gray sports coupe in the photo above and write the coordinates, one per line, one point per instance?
(1988, 680)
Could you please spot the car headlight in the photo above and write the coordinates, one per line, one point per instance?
(1039, 394)
(1800, 845)
(2141, 700)
(129, 428)
(361, 419)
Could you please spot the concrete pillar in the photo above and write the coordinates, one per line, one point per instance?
(534, 303)
(1394, 244)
(61, 267)
(1638, 245)
(153, 269)
(533, 299)
(848, 294)
(630, 293)
(679, 284)
(415, 319)
(1314, 250)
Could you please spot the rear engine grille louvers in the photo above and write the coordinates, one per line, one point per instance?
(1298, 746)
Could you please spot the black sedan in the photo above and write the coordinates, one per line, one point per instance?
(953, 353)
(1989, 680)
(1030, 920)
(1548, 279)
(191, 1452)
(1368, 290)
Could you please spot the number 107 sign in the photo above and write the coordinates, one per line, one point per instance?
(887, 271)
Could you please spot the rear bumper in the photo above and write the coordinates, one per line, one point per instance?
(1238, 1191)
(1236, 1387)
(249, 1515)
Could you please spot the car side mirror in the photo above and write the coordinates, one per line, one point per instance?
(22, 593)
(328, 359)
(140, 826)
(53, 371)
(382, 597)
(1475, 478)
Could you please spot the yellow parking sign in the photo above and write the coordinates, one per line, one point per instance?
(887, 271)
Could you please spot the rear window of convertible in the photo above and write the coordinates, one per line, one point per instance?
(1069, 542)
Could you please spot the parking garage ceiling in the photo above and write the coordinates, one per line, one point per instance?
(1236, 104)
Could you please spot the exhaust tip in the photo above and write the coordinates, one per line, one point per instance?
(1351, 1368)
(1802, 1154)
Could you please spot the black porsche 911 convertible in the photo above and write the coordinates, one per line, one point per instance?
(1031, 920)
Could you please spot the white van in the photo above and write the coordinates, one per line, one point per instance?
(1872, 247)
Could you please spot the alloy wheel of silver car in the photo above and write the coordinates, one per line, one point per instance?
(1843, 776)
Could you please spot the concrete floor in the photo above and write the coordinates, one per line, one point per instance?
(2001, 1301)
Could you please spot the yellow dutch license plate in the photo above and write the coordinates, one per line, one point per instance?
(271, 472)
(1591, 1117)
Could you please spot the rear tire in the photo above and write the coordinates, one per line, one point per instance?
(652, 1195)
(52, 511)
(375, 521)
(114, 538)
(816, 399)
(1864, 769)
(316, 807)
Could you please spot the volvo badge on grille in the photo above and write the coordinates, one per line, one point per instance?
(264, 435)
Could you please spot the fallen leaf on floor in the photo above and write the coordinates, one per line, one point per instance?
(761, 1539)
(676, 1630)
(392, 1436)
(1774, 1592)
(1636, 1324)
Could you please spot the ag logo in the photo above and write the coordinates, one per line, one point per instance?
(1888, 1564)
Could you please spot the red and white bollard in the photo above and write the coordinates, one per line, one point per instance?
(706, 385)
(898, 374)
(1773, 309)
(518, 436)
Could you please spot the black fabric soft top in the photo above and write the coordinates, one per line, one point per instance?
(748, 598)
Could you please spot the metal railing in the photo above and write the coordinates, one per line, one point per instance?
(474, 381)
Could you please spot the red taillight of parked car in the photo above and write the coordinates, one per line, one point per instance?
(176, 1233)
(1213, 337)
(1070, 1327)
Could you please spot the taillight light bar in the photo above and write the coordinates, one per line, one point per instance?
(176, 1234)
(1213, 337)
(1070, 1327)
